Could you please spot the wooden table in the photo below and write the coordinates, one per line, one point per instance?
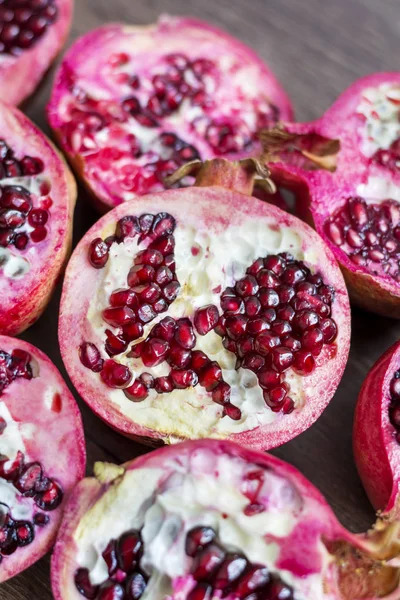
(316, 49)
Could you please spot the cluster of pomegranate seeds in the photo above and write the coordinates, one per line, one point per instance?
(12, 366)
(216, 570)
(24, 22)
(394, 407)
(126, 579)
(390, 157)
(19, 220)
(369, 234)
(277, 317)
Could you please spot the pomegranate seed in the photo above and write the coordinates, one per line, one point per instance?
(141, 274)
(129, 550)
(149, 257)
(247, 286)
(184, 334)
(230, 345)
(244, 345)
(231, 569)
(274, 263)
(265, 342)
(281, 327)
(275, 396)
(210, 376)
(304, 362)
(124, 298)
(51, 498)
(254, 362)
(207, 562)
(313, 340)
(163, 276)
(160, 306)
(171, 290)
(282, 358)
(252, 306)
(137, 391)
(279, 591)
(90, 357)
(305, 319)
(256, 266)
(136, 586)
(233, 412)
(206, 319)
(38, 234)
(236, 326)
(290, 342)
(38, 217)
(293, 274)
(83, 585)
(98, 253)
(111, 591)
(146, 313)
(164, 244)
(221, 394)
(132, 331)
(178, 357)
(258, 325)
(199, 360)
(115, 375)
(288, 406)
(118, 316)
(268, 279)
(163, 385)
(232, 305)
(148, 293)
(184, 379)
(154, 352)
(165, 329)
(202, 591)
(395, 387)
(255, 578)
(127, 227)
(110, 557)
(329, 330)
(286, 313)
(30, 477)
(286, 293)
(114, 344)
(197, 539)
(269, 298)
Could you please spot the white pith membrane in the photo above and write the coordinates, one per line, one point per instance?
(234, 87)
(381, 108)
(206, 263)
(206, 488)
(15, 263)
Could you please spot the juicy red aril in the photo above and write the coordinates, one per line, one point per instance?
(184, 334)
(265, 342)
(164, 244)
(114, 344)
(199, 360)
(146, 313)
(233, 412)
(184, 379)
(329, 330)
(252, 306)
(202, 591)
(207, 561)
(236, 326)
(247, 286)
(98, 253)
(132, 331)
(148, 293)
(171, 290)
(253, 361)
(363, 231)
(282, 358)
(222, 393)
(83, 585)
(115, 375)
(12, 366)
(110, 557)
(163, 385)
(394, 407)
(137, 391)
(127, 227)
(206, 318)
(198, 538)
(51, 498)
(118, 316)
(254, 579)
(30, 477)
(111, 591)
(141, 274)
(129, 550)
(136, 586)
(149, 257)
(154, 352)
(275, 396)
(210, 376)
(229, 572)
(165, 329)
(313, 340)
(124, 298)
(163, 275)
(305, 319)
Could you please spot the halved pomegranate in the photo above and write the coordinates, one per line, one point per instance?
(376, 433)
(204, 312)
(131, 104)
(345, 168)
(42, 454)
(37, 198)
(32, 33)
(208, 519)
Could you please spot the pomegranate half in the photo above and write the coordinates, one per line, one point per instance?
(42, 454)
(130, 104)
(376, 433)
(37, 198)
(345, 169)
(32, 32)
(204, 312)
(209, 519)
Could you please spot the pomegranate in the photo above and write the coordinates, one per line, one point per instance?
(37, 197)
(131, 104)
(209, 519)
(42, 453)
(202, 312)
(32, 33)
(376, 433)
(345, 169)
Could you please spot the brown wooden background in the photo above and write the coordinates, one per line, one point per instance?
(316, 49)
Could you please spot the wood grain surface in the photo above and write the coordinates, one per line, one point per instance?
(316, 49)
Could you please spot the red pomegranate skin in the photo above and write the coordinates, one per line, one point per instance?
(376, 449)
(320, 192)
(50, 424)
(90, 80)
(20, 74)
(25, 298)
(211, 210)
(298, 552)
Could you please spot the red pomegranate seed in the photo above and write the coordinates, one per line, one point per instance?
(282, 358)
(202, 591)
(164, 244)
(275, 263)
(291, 342)
(288, 406)
(255, 578)
(265, 342)
(312, 340)
(114, 344)
(127, 227)
(148, 293)
(244, 346)
(256, 266)
(163, 275)
(210, 376)
(132, 331)
(129, 550)
(90, 357)
(149, 257)
(232, 304)
(285, 313)
(115, 375)
(160, 306)
(247, 286)
(277, 590)
(171, 290)
(118, 316)
(137, 391)
(236, 326)
(146, 313)
(184, 379)
(110, 557)
(141, 274)
(257, 325)
(124, 298)
(275, 397)
(197, 539)
(21, 241)
(329, 330)
(252, 306)
(163, 385)
(304, 362)
(136, 586)
(38, 217)
(233, 412)
(229, 572)
(269, 315)
(30, 477)
(207, 562)
(222, 393)
(165, 329)
(98, 253)
(178, 357)
(268, 279)
(17, 198)
(199, 360)
(253, 361)
(154, 352)
(281, 327)
(305, 319)
(38, 234)
(111, 591)
(292, 275)
(184, 334)
(269, 298)
(206, 319)
(83, 585)
(51, 498)
(286, 293)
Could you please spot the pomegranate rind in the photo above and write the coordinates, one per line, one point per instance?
(24, 299)
(207, 207)
(321, 192)
(168, 29)
(58, 443)
(20, 75)
(376, 450)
